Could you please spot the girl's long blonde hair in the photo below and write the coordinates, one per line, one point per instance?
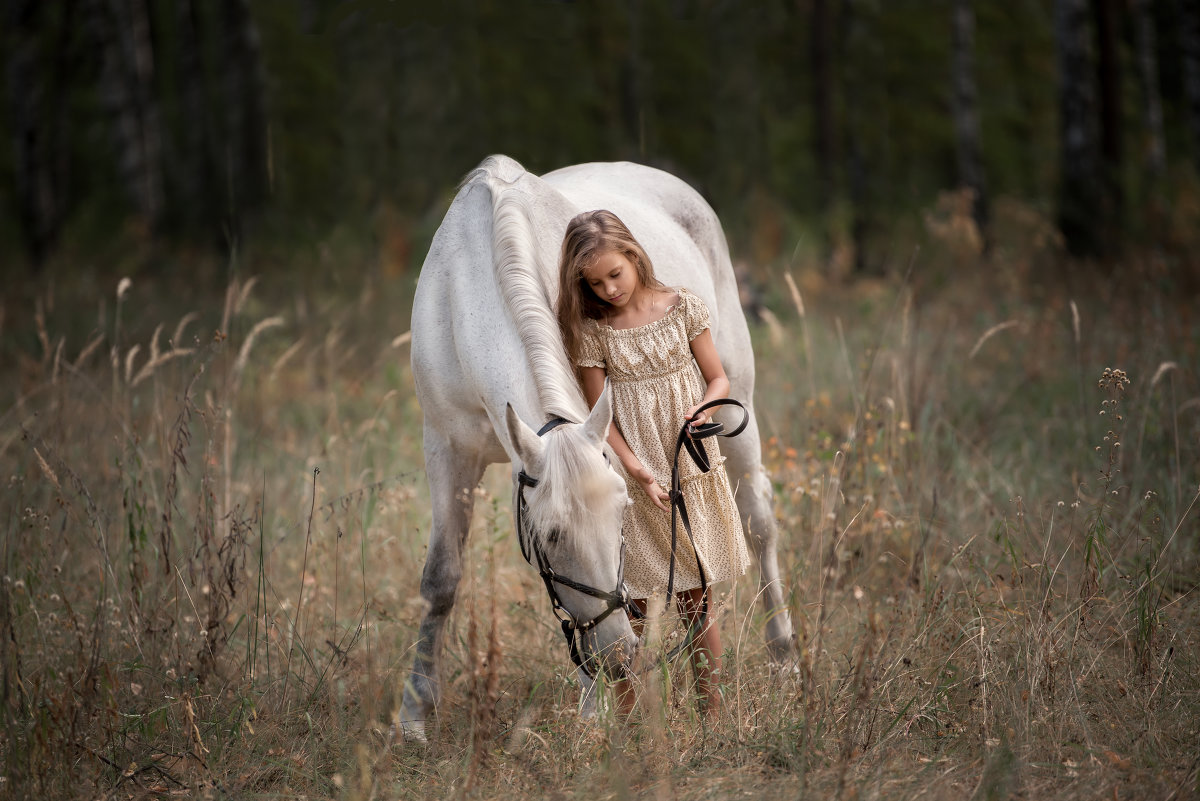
(589, 236)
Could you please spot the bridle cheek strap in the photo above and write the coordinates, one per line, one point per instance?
(531, 549)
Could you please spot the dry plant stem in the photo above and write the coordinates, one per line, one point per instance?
(1078, 340)
(295, 632)
(855, 394)
(259, 597)
(798, 301)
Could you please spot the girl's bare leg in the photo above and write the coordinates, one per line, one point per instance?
(626, 697)
(706, 650)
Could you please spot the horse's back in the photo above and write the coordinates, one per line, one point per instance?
(468, 356)
(683, 237)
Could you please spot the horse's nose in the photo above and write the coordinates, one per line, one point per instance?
(615, 653)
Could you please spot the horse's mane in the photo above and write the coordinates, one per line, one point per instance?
(574, 476)
(515, 258)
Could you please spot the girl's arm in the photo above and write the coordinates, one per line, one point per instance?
(593, 385)
(705, 351)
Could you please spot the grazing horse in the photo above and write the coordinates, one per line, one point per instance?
(490, 367)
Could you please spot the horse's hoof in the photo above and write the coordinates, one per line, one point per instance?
(788, 668)
(587, 705)
(411, 731)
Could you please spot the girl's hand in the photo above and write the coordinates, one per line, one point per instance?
(696, 419)
(646, 479)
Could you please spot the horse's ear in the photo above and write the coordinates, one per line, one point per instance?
(596, 426)
(524, 439)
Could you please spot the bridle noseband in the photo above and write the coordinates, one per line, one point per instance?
(531, 548)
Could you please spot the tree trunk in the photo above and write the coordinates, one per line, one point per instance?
(193, 164)
(1189, 44)
(1152, 114)
(245, 143)
(850, 32)
(120, 30)
(964, 104)
(1108, 74)
(37, 98)
(1078, 188)
(633, 83)
(822, 103)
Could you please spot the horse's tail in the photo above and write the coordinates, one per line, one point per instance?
(515, 259)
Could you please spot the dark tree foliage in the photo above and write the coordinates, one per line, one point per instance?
(219, 121)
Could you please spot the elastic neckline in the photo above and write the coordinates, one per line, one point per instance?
(675, 308)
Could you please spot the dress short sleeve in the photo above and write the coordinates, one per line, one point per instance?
(591, 353)
(695, 314)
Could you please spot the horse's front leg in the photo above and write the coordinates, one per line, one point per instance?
(755, 501)
(452, 475)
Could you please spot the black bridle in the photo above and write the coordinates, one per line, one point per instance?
(689, 438)
(531, 548)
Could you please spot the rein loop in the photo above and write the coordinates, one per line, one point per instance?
(689, 439)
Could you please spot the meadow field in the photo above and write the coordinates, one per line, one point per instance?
(214, 522)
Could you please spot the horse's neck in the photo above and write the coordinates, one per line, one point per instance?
(528, 222)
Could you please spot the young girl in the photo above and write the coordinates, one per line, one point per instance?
(619, 322)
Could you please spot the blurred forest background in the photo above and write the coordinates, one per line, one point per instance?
(969, 237)
(136, 126)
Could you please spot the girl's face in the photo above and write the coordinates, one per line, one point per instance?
(613, 277)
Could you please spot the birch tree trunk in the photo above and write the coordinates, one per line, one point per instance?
(1078, 187)
(964, 103)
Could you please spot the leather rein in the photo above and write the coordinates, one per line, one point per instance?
(688, 439)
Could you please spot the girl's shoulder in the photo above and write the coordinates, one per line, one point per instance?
(694, 311)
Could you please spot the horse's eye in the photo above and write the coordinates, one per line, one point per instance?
(552, 536)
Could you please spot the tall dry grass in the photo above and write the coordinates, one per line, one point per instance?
(213, 543)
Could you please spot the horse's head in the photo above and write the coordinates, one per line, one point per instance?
(570, 504)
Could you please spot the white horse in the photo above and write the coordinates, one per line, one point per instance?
(489, 362)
